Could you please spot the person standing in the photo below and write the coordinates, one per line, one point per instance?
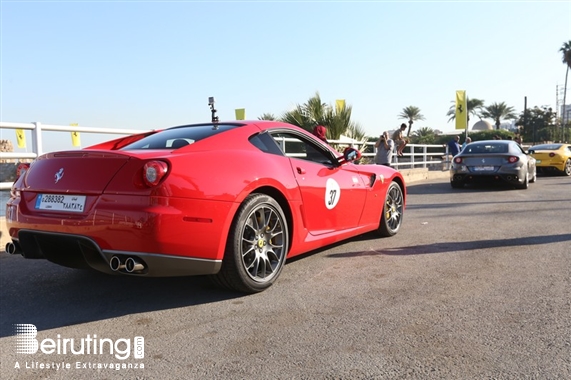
(454, 146)
(518, 139)
(466, 142)
(385, 146)
(321, 133)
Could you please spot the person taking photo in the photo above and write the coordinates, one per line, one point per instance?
(384, 146)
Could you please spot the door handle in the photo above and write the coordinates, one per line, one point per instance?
(300, 170)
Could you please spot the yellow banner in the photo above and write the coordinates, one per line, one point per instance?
(75, 140)
(340, 104)
(240, 114)
(21, 138)
(461, 110)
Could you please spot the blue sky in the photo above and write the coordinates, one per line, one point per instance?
(153, 64)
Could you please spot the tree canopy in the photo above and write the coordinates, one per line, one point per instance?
(411, 113)
(498, 112)
(337, 119)
(538, 124)
(474, 106)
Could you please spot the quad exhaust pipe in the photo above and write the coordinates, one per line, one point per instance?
(130, 265)
(13, 248)
(133, 265)
(115, 264)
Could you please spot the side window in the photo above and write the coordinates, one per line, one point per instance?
(178, 143)
(177, 137)
(266, 143)
(518, 148)
(297, 146)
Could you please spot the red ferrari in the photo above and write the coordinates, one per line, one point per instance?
(231, 200)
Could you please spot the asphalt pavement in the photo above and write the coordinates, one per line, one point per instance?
(476, 285)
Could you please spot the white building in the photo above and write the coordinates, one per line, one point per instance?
(565, 110)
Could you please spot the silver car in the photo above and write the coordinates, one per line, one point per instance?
(494, 161)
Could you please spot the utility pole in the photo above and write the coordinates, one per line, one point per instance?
(564, 111)
(525, 118)
(561, 109)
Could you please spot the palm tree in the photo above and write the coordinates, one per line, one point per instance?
(566, 50)
(424, 135)
(306, 115)
(474, 106)
(498, 111)
(314, 112)
(267, 116)
(411, 113)
(356, 132)
(338, 122)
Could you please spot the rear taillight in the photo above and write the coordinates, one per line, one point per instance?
(154, 172)
(513, 159)
(551, 154)
(458, 160)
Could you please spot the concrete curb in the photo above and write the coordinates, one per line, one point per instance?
(416, 175)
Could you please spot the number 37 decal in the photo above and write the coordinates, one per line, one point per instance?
(332, 193)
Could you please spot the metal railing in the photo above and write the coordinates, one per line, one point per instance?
(414, 155)
(38, 128)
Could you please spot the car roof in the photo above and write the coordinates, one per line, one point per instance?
(552, 146)
(262, 124)
(492, 142)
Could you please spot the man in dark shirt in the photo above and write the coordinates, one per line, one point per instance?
(454, 146)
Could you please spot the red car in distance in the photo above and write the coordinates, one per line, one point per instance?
(231, 200)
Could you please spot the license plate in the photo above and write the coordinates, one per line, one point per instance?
(483, 168)
(60, 202)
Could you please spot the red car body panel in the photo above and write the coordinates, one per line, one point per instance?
(190, 212)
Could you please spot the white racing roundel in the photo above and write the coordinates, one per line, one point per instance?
(332, 193)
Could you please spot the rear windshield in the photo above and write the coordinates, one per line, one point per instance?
(177, 137)
(545, 147)
(486, 148)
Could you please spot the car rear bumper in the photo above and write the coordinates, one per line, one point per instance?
(76, 251)
(177, 227)
(548, 165)
(514, 175)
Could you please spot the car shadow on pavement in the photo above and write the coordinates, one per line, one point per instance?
(458, 246)
(445, 188)
(51, 296)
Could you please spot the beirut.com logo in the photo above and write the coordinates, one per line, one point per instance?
(121, 349)
(26, 342)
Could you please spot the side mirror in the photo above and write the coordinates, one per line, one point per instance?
(350, 155)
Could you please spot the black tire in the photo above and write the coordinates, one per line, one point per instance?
(525, 183)
(567, 169)
(393, 211)
(456, 184)
(257, 246)
(534, 177)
